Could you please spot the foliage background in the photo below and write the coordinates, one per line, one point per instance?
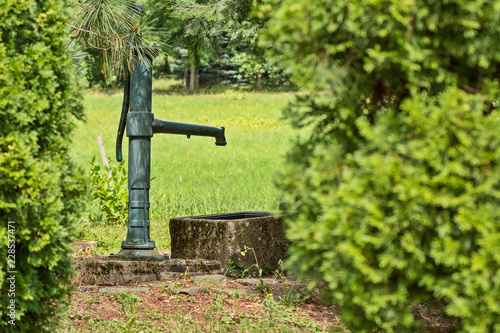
(39, 189)
(214, 42)
(396, 190)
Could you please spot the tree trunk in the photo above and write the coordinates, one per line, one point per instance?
(197, 79)
(166, 70)
(192, 78)
(197, 70)
(258, 84)
(186, 72)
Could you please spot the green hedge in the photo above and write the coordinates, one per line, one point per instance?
(396, 188)
(409, 216)
(39, 189)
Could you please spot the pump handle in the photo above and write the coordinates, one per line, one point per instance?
(123, 119)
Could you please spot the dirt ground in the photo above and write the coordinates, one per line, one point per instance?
(281, 305)
(90, 306)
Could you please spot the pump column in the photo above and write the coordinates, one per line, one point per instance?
(139, 131)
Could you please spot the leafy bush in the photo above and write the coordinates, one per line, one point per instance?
(110, 193)
(39, 189)
(396, 189)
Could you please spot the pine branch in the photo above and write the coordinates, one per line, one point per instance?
(115, 28)
(200, 7)
(78, 30)
(96, 47)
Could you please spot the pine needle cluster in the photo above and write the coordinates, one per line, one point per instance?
(119, 30)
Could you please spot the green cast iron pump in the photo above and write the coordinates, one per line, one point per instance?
(141, 125)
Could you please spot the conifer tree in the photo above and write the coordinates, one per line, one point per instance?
(204, 23)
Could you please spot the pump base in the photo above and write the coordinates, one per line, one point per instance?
(139, 254)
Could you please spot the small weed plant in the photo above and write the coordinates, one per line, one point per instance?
(110, 193)
(128, 301)
(234, 269)
(260, 270)
(263, 287)
(291, 296)
(218, 305)
(129, 309)
(185, 275)
(172, 288)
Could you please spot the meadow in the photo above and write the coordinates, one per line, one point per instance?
(192, 176)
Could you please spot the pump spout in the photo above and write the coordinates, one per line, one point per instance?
(170, 127)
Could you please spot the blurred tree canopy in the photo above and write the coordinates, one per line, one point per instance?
(211, 41)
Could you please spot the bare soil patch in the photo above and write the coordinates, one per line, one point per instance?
(161, 307)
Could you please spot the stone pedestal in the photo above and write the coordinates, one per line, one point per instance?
(219, 236)
(111, 270)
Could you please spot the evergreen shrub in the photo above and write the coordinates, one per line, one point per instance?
(39, 188)
(410, 216)
(394, 183)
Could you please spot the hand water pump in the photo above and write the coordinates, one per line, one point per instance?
(141, 125)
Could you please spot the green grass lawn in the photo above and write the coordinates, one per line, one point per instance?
(194, 176)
